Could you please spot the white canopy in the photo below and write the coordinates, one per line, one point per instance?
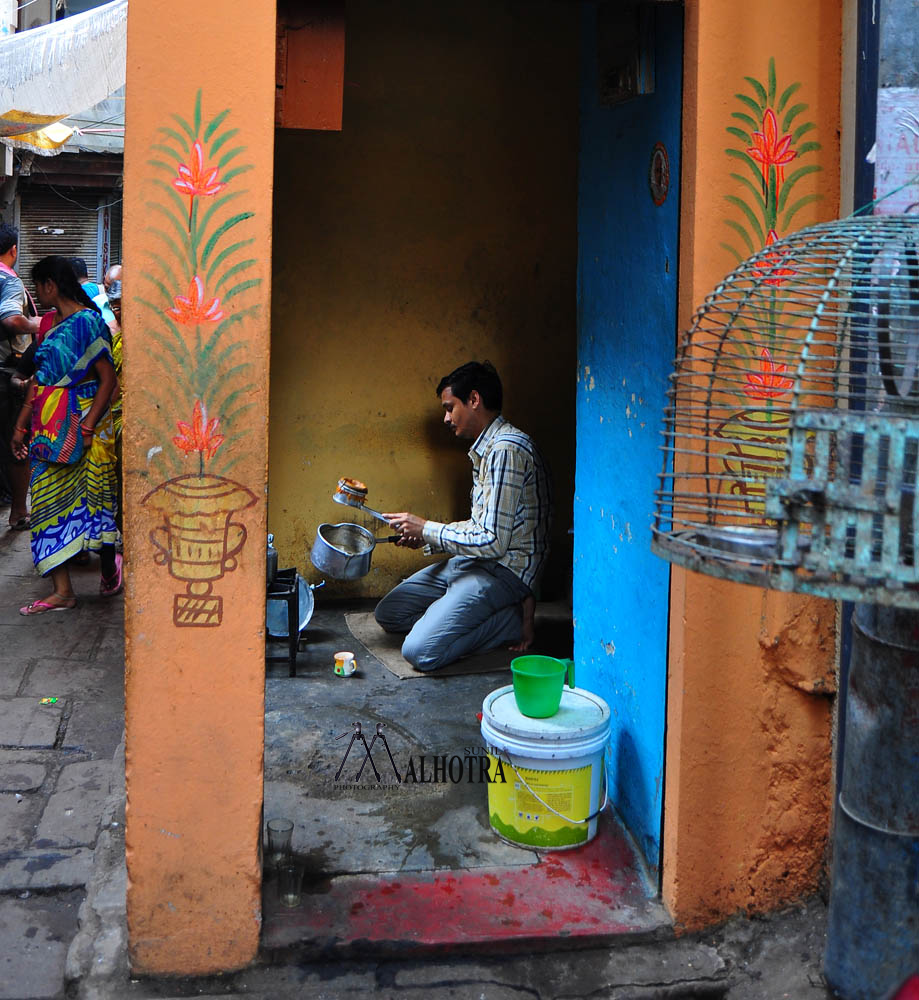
(51, 72)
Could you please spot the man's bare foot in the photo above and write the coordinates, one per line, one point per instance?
(528, 627)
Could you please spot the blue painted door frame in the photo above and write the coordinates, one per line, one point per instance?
(627, 316)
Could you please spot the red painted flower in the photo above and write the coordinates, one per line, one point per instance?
(769, 382)
(195, 307)
(200, 435)
(771, 151)
(772, 264)
(194, 179)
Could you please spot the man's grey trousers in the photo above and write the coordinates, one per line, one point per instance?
(452, 608)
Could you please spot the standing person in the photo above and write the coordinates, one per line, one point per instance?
(73, 498)
(483, 595)
(91, 287)
(16, 331)
(93, 290)
(112, 283)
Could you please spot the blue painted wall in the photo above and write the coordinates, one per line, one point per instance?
(627, 298)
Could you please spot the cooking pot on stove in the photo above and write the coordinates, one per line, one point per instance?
(343, 551)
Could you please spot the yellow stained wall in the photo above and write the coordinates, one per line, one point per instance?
(438, 226)
(751, 673)
(196, 317)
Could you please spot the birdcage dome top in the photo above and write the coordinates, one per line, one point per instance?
(791, 432)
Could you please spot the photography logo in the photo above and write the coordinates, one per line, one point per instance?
(356, 734)
(478, 765)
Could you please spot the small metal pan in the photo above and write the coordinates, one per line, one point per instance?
(343, 551)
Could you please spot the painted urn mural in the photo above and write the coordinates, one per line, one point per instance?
(193, 304)
(767, 130)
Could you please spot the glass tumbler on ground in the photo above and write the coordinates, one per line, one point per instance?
(279, 834)
(290, 882)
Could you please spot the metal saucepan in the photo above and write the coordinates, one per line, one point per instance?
(343, 551)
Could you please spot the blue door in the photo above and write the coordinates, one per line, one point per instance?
(628, 218)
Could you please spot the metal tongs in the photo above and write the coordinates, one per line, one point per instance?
(352, 493)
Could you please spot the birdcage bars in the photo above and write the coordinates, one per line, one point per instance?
(791, 432)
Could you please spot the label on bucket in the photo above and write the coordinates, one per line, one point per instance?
(517, 814)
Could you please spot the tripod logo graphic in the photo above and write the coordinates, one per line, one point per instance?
(356, 734)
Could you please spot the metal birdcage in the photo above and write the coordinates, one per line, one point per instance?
(791, 452)
(791, 439)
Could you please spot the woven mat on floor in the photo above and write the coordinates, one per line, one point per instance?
(386, 648)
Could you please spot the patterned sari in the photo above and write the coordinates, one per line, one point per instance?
(73, 506)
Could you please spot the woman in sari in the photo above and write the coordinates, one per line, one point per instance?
(72, 481)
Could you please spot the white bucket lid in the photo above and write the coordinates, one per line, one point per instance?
(581, 716)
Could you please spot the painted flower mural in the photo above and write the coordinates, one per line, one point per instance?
(769, 382)
(767, 132)
(195, 180)
(195, 301)
(199, 436)
(773, 150)
(194, 306)
(772, 270)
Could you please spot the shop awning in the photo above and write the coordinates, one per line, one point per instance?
(58, 69)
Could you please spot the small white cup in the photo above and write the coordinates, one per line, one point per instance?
(345, 664)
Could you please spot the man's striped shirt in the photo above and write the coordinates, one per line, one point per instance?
(511, 505)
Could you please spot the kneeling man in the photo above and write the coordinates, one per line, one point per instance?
(483, 595)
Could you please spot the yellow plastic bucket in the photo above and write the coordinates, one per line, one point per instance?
(553, 768)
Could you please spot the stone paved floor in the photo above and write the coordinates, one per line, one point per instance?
(56, 763)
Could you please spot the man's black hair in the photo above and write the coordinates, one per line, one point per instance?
(79, 267)
(478, 375)
(9, 237)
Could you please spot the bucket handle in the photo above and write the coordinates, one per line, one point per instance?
(576, 822)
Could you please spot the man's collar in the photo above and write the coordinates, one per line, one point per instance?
(481, 442)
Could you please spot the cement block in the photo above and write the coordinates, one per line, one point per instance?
(96, 724)
(18, 819)
(11, 676)
(109, 646)
(24, 777)
(64, 632)
(57, 677)
(46, 869)
(26, 723)
(71, 817)
(33, 946)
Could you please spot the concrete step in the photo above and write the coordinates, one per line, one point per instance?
(592, 895)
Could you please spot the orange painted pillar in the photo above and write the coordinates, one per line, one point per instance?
(748, 780)
(197, 270)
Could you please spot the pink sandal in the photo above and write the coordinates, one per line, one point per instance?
(110, 586)
(41, 607)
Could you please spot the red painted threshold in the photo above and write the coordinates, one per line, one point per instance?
(574, 898)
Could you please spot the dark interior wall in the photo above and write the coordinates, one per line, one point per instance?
(438, 226)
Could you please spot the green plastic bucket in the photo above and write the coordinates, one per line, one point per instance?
(538, 683)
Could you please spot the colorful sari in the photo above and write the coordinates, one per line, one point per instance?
(73, 506)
